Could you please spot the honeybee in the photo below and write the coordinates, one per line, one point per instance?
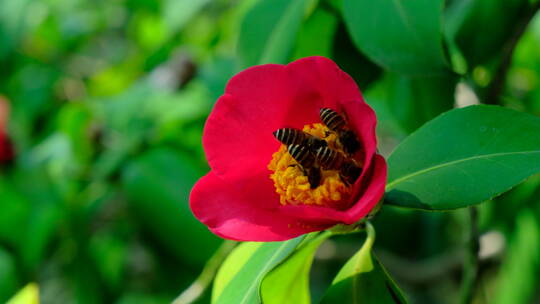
(308, 163)
(333, 160)
(337, 123)
(290, 136)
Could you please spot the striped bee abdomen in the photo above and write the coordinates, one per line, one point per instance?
(337, 123)
(332, 119)
(328, 158)
(306, 159)
(289, 136)
(302, 155)
(333, 160)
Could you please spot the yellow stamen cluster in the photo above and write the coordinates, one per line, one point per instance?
(293, 186)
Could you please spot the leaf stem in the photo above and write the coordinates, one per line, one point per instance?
(197, 288)
(470, 270)
(370, 230)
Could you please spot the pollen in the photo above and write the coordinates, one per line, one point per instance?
(291, 182)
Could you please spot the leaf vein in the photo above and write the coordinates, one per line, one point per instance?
(439, 166)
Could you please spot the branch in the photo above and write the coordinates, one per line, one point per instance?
(470, 271)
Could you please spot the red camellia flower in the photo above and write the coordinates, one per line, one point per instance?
(260, 189)
(6, 150)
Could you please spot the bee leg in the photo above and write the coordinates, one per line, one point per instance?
(314, 177)
(344, 180)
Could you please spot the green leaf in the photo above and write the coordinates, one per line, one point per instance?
(239, 280)
(370, 287)
(412, 101)
(230, 267)
(464, 157)
(316, 35)
(363, 280)
(518, 278)
(289, 282)
(402, 36)
(350, 60)
(157, 185)
(269, 30)
(464, 19)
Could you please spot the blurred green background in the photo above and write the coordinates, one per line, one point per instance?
(108, 100)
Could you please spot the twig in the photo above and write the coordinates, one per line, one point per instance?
(196, 289)
(470, 270)
(497, 85)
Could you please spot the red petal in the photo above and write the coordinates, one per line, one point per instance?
(236, 214)
(371, 196)
(237, 199)
(238, 138)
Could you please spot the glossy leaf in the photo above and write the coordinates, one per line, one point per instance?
(409, 40)
(363, 280)
(289, 282)
(351, 60)
(269, 31)
(316, 35)
(412, 101)
(230, 267)
(249, 264)
(465, 19)
(370, 287)
(360, 262)
(464, 157)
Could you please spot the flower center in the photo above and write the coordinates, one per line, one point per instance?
(293, 182)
